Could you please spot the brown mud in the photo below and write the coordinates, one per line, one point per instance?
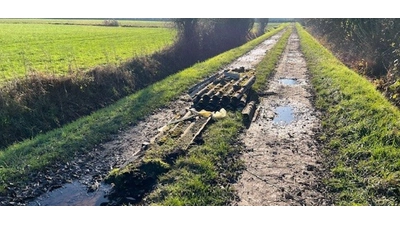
(283, 163)
(80, 182)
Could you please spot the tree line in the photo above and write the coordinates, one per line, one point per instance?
(207, 36)
(372, 43)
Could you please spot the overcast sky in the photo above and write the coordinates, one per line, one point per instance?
(197, 9)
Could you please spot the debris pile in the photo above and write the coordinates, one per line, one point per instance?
(229, 89)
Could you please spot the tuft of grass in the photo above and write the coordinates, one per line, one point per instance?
(360, 131)
(31, 156)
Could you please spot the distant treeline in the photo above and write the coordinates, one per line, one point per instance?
(282, 20)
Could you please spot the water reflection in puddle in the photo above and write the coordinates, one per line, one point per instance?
(284, 114)
(288, 81)
(73, 194)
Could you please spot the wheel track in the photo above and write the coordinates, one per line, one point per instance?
(283, 165)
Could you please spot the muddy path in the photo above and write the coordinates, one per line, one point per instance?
(79, 182)
(283, 164)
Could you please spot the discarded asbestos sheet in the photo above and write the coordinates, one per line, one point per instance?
(229, 89)
(183, 131)
(248, 111)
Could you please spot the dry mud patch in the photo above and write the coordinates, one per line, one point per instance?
(283, 163)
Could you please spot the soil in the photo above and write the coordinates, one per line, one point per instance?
(79, 182)
(283, 162)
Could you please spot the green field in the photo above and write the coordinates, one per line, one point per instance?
(130, 23)
(61, 49)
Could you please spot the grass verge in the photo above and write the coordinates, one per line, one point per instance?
(360, 131)
(19, 160)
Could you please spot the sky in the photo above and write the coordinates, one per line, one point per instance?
(197, 9)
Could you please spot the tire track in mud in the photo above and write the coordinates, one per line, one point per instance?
(125, 146)
(283, 165)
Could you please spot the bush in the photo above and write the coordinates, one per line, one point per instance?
(111, 23)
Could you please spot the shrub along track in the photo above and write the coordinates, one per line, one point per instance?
(92, 167)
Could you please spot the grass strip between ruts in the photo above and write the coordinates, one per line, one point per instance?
(267, 65)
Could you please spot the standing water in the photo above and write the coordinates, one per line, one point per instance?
(284, 114)
(287, 81)
(73, 194)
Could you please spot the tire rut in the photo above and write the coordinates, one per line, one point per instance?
(283, 163)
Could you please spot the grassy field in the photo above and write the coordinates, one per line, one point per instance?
(360, 131)
(97, 22)
(85, 133)
(61, 49)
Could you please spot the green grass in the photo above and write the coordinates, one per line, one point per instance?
(267, 65)
(360, 131)
(60, 49)
(83, 134)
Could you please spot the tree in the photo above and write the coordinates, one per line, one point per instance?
(225, 33)
(263, 24)
(186, 27)
(206, 37)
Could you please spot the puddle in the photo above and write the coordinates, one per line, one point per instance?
(284, 114)
(73, 194)
(288, 81)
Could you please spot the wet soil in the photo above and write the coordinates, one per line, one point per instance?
(283, 163)
(80, 182)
